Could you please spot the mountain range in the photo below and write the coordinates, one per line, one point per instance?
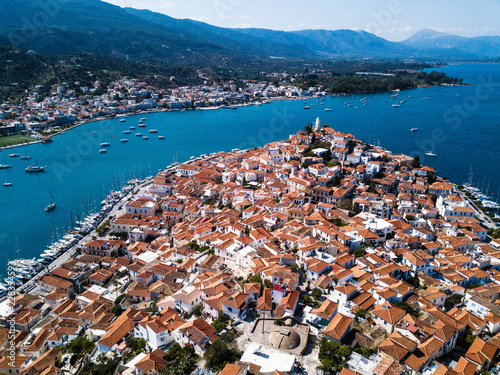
(96, 26)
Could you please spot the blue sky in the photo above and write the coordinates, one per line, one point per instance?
(391, 19)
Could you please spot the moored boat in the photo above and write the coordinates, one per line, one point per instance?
(34, 168)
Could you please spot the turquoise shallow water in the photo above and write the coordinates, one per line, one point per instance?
(462, 130)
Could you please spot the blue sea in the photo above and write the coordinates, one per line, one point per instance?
(460, 124)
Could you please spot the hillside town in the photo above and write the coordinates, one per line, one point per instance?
(71, 102)
(319, 254)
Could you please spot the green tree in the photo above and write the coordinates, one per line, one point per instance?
(361, 313)
(136, 344)
(79, 347)
(364, 351)
(415, 163)
(345, 204)
(116, 309)
(317, 293)
(333, 355)
(358, 253)
(219, 324)
(198, 310)
(181, 360)
(220, 353)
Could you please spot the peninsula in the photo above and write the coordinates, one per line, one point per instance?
(315, 252)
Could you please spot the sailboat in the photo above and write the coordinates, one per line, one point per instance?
(5, 165)
(34, 168)
(52, 205)
(25, 156)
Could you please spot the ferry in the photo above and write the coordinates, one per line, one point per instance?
(153, 131)
(145, 138)
(430, 153)
(7, 184)
(126, 132)
(124, 140)
(103, 151)
(138, 134)
(161, 137)
(414, 129)
(105, 144)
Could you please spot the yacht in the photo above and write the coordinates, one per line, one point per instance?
(103, 151)
(153, 131)
(142, 125)
(414, 129)
(13, 155)
(34, 168)
(395, 106)
(124, 140)
(328, 109)
(430, 153)
(161, 137)
(7, 184)
(145, 138)
(126, 132)
(132, 128)
(105, 144)
(138, 134)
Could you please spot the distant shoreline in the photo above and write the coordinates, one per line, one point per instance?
(275, 99)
